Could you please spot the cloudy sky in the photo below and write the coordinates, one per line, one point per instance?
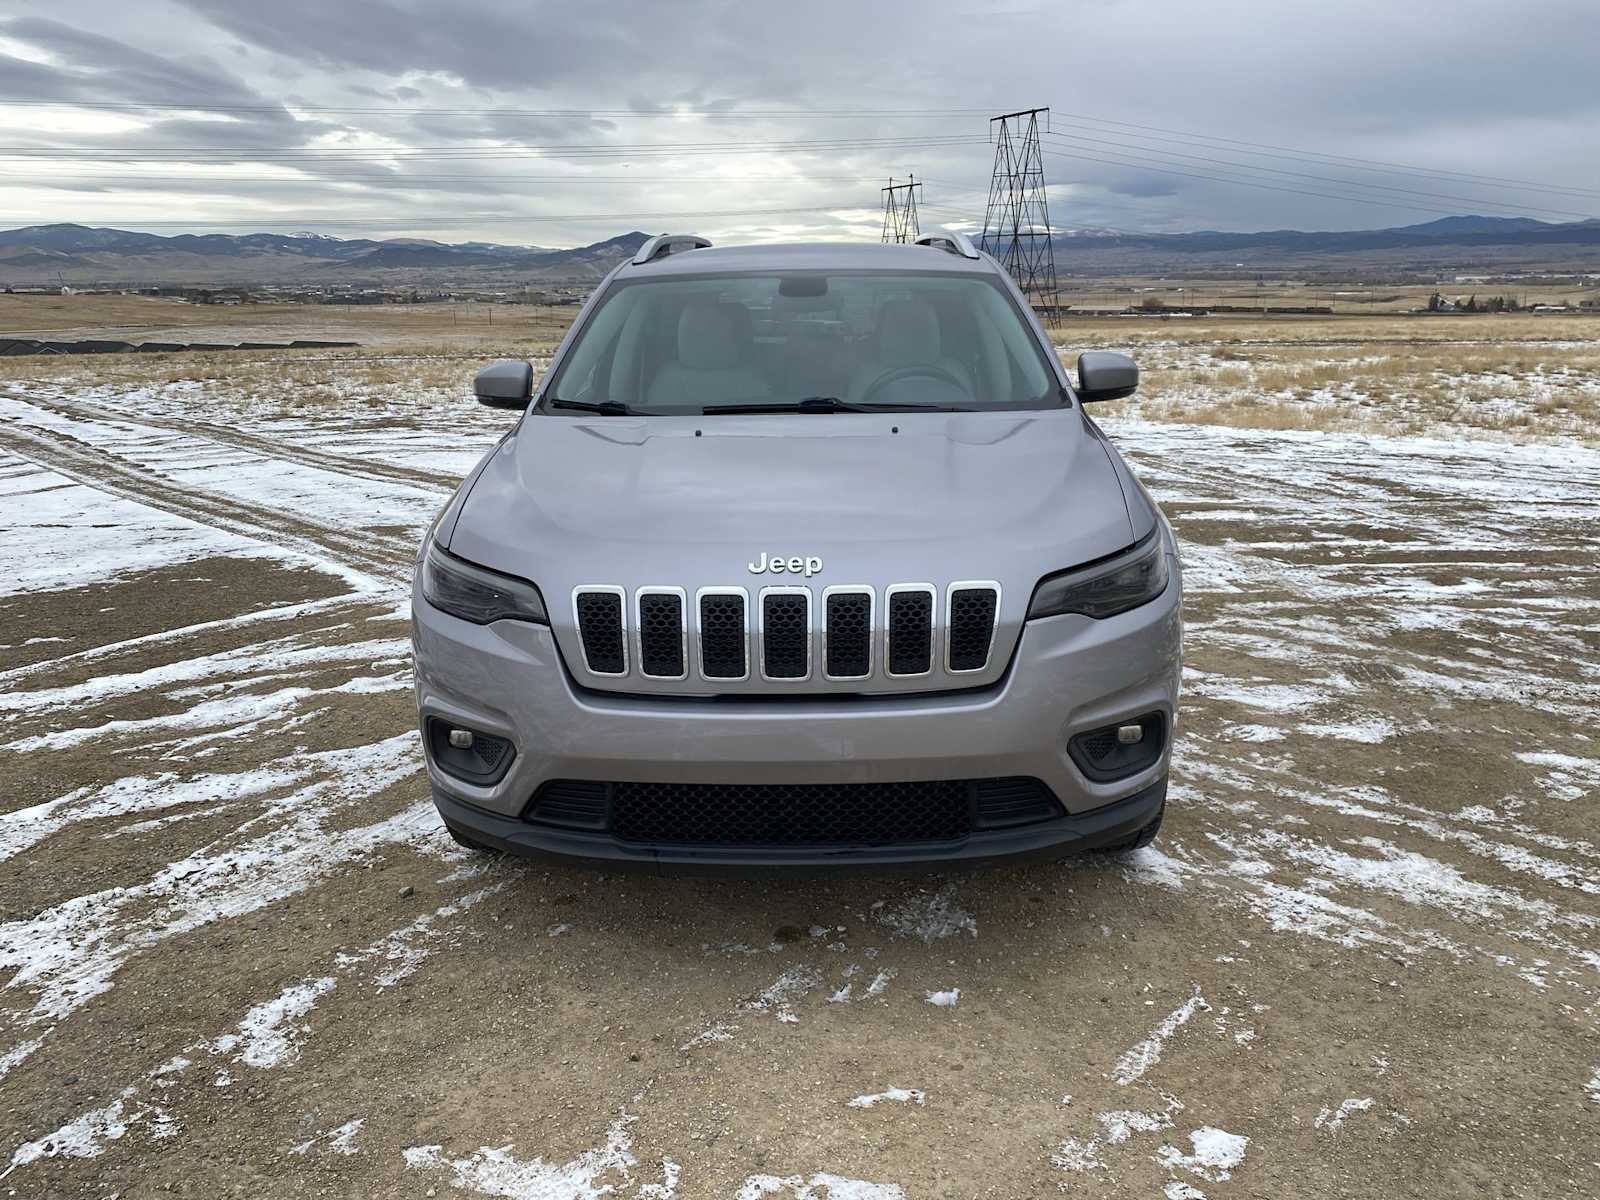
(559, 124)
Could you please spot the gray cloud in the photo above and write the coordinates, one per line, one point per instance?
(103, 66)
(1487, 90)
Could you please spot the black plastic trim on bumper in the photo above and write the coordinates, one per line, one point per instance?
(1071, 834)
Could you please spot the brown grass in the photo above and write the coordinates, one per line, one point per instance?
(1515, 376)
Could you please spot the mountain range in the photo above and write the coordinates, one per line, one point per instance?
(85, 254)
(82, 254)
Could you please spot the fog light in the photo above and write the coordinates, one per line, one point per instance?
(1118, 751)
(470, 755)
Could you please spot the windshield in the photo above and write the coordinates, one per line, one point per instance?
(806, 340)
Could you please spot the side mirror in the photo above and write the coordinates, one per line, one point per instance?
(1103, 375)
(505, 384)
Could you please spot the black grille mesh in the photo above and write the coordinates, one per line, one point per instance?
(600, 629)
(785, 639)
(910, 633)
(661, 635)
(722, 636)
(971, 621)
(796, 814)
(849, 625)
(576, 803)
(490, 751)
(1004, 803)
(1099, 746)
(791, 814)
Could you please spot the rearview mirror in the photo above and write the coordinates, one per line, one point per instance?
(504, 384)
(1103, 375)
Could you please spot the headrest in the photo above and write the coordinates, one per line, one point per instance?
(712, 337)
(908, 334)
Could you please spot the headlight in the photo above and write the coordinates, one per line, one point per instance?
(1104, 589)
(478, 595)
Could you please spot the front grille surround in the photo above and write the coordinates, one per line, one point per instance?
(601, 655)
(955, 597)
(853, 638)
(652, 652)
(838, 648)
(902, 636)
(704, 649)
(776, 635)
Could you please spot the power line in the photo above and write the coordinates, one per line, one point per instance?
(1251, 183)
(1341, 158)
(452, 220)
(1258, 149)
(481, 177)
(1167, 156)
(508, 144)
(1311, 158)
(450, 110)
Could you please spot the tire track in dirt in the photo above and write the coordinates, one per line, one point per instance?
(268, 447)
(376, 558)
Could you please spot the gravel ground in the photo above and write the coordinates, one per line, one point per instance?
(241, 958)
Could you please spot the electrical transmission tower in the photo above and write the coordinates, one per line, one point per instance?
(1016, 225)
(900, 211)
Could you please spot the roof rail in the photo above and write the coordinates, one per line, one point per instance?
(664, 244)
(949, 241)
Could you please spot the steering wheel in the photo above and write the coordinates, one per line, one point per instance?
(914, 371)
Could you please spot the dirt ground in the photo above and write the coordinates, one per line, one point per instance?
(240, 957)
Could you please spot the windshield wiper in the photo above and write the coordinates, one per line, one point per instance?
(823, 404)
(606, 408)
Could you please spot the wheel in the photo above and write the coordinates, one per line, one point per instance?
(1138, 840)
(462, 839)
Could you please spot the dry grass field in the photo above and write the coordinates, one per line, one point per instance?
(1495, 377)
(1519, 377)
(239, 956)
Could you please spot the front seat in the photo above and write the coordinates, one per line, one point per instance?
(713, 340)
(908, 336)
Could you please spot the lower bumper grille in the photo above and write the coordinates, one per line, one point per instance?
(801, 814)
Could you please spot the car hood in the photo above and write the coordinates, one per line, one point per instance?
(880, 498)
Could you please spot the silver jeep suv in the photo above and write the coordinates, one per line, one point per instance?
(800, 556)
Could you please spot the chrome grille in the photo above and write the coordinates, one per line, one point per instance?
(724, 635)
(789, 634)
(969, 626)
(599, 613)
(847, 633)
(662, 633)
(910, 626)
(785, 633)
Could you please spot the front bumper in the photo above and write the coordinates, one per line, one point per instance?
(1103, 826)
(1068, 674)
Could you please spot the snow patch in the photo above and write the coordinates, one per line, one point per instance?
(898, 1094)
(267, 1035)
(821, 1186)
(1135, 1061)
(1217, 1153)
(495, 1171)
(1332, 1119)
(929, 916)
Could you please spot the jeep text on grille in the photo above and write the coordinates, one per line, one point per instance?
(808, 565)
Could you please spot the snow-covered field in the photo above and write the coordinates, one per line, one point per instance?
(238, 955)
